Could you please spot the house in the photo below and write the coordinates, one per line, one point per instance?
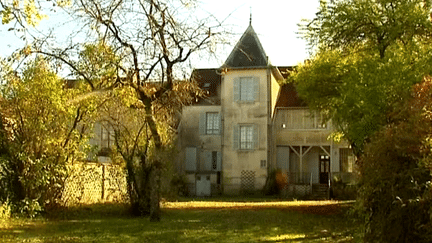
(250, 125)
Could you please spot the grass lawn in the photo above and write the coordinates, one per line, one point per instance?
(196, 221)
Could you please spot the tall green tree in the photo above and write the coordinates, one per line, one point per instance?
(395, 194)
(368, 54)
(42, 130)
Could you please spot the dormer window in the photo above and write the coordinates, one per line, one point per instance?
(206, 85)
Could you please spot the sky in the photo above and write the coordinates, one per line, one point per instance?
(275, 22)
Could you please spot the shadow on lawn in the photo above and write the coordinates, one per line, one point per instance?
(322, 223)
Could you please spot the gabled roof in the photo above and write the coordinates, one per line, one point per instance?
(248, 52)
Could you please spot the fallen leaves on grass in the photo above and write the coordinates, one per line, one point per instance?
(314, 207)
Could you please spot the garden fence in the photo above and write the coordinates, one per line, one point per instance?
(95, 183)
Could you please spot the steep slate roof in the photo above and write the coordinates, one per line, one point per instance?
(248, 52)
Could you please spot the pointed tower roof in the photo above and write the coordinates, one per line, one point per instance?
(248, 52)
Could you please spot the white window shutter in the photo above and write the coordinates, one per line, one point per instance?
(255, 136)
(202, 123)
(219, 161)
(236, 137)
(256, 88)
(207, 161)
(236, 89)
(191, 159)
(219, 123)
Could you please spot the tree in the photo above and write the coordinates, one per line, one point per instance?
(41, 132)
(151, 41)
(371, 59)
(122, 114)
(24, 14)
(396, 194)
(368, 56)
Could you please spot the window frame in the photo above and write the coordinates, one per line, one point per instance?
(302, 119)
(245, 140)
(246, 137)
(107, 136)
(212, 126)
(246, 89)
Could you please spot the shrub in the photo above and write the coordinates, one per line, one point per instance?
(395, 194)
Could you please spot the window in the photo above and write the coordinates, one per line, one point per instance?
(301, 119)
(107, 140)
(209, 123)
(263, 163)
(246, 89)
(246, 137)
(107, 136)
(346, 160)
(318, 121)
(212, 123)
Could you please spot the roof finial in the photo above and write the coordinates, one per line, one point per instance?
(250, 18)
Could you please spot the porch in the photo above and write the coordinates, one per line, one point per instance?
(301, 184)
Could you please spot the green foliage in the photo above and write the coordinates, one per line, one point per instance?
(366, 62)
(367, 25)
(26, 12)
(5, 210)
(42, 131)
(358, 90)
(395, 193)
(369, 56)
(178, 186)
(99, 64)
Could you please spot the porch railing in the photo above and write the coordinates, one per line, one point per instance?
(299, 178)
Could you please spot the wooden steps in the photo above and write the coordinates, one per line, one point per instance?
(320, 192)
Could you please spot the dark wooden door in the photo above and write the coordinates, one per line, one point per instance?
(324, 168)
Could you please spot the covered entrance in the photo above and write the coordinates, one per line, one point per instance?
(305, 164)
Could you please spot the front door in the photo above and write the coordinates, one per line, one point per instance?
(203, 185)
(324, 168)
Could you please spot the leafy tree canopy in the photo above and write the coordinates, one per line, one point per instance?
(26, 13)
(368, 56)
(42, 130)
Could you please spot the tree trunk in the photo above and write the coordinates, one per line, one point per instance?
(155, 193)
(156, 164)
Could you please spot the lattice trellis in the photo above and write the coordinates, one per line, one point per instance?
(93, 183)
(247, 180)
